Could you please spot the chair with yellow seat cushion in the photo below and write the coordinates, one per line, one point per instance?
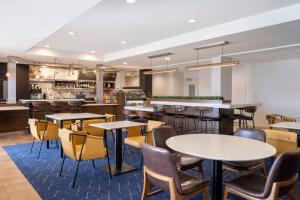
(110, 117)
(92, 130)
(135, 138)
(80, 146)
(42, 131)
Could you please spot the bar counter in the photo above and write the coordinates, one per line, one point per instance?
(13, 118)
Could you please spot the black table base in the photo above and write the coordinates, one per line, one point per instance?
(116, 171)
(217, 180)
(120, 167)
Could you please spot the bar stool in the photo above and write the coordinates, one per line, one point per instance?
(179, 115)
(210, 119)
(75, 106)
(40, 109)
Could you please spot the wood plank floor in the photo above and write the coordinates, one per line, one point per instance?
(13, 184)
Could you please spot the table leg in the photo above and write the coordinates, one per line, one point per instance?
(119, 167)
(298, 138)
(47, 144)
(217, 180)
(61, 125)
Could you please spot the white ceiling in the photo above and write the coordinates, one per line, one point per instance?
(149, 27)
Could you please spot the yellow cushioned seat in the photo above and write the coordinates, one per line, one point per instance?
(79, 146)
(135, 141)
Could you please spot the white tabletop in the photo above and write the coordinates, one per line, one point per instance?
(287, 125)
(117, 125)
(204, 104)
(47, 100)
(11, 108)
(74, 116)
(221, 147)
(139, 108)
(100, 104)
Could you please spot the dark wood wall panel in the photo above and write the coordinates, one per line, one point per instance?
(146, 82)
(13, 121)
(3, 70)
(22, 83)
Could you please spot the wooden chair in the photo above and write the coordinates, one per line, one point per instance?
(135, 137)
(92, 130)
(282, 180)
(183, 162)
(79, 146)
(247, 167)
(110, 117)
(42, 131)
(160, 170)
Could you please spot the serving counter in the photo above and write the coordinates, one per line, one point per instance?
(13, 118)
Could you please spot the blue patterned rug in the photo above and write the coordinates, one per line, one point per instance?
(91, 183)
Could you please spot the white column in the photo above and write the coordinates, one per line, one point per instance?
(11, 82)
(221, 80)
(120, 80)
(99, 85)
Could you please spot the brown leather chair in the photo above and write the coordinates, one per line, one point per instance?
(160, 170)
(248, 166)
(183, 162)
(282, 180)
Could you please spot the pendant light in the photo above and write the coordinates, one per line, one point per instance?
(161, 71)
(213, 65)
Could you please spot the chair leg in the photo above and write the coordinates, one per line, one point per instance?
(226, 194)
(56, 143)
(32, 145)
(200, 170)
(253, 123)
(40, 149)
(146, 188)
(142, 161)
(293, 192)
(94, 166)
(74, 180)
(206, 195)
(108, 162)
(62, 165)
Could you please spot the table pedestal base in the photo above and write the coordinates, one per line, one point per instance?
(217, 180)
(125, 169)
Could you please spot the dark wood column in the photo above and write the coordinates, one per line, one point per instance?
(146, 82)
(22, 82)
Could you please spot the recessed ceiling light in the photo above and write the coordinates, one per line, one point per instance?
(48, 46)
(71, 33)
(125, 63)
(93, 51)
(130, 1)
(123, 42)
(192, 20)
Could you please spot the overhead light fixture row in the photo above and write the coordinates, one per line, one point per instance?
(162, 71)
(213, 65)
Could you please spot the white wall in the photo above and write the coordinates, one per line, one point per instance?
(168, 84)
(276, 85)
(132, 81)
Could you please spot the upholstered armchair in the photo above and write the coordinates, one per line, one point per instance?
(42, 131)
(135, 136)
(247, 167)
(161, 170)
(80, 146)
(92, 130)
(281, 181)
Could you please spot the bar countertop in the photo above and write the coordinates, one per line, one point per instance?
(205, 104)
(12, 108)
(47, 100)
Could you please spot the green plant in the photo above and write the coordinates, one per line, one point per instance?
(190, 97)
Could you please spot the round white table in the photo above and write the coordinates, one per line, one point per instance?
(220, 148)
